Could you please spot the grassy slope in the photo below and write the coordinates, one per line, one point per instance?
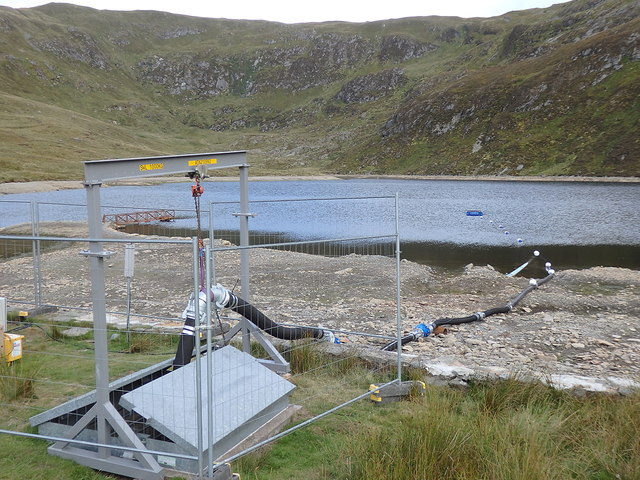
(57, 110)
(588, 127)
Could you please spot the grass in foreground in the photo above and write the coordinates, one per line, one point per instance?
(497, 430)
(491, 430)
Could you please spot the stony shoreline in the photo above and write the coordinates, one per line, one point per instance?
(54, 185)
(581, 330)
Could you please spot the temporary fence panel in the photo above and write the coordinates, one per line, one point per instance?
(143, 329)
(194, 416)
(344, 282)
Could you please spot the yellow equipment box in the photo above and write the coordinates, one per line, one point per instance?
(12, 347)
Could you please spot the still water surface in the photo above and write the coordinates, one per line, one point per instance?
(574, 224)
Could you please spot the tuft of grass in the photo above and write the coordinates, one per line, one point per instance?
(17, 381)
(142, 342)
(55, 332)
(501, 430)
(304, 357)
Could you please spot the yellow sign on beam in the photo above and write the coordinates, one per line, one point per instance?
(206, 161)
(151, 166)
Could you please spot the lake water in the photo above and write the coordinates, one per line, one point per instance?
(573, 224)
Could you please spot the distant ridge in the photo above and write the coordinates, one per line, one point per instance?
(550, 91)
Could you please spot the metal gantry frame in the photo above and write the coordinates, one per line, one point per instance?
(105, 415)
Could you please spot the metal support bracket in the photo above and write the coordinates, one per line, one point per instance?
(238, 214)
(142, 466)
(277, 363)
(102, 254)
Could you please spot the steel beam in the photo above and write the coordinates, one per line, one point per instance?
(98, 171)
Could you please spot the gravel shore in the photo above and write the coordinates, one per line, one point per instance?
(581, 329)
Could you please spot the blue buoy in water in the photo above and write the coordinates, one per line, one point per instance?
(474, 213)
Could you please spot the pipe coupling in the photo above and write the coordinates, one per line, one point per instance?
(330, 337)
(220, 296)
(424, 330)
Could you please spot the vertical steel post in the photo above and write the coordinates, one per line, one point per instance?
(244, 232)
(210, 429)
(37, 273)
(244, 253)
(129, 261)
(197, 330)
(96, 262)
(212, 235)
(398, 293)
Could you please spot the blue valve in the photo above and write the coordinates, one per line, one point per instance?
(424, 329)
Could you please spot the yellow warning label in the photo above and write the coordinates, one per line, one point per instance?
(206, 161)
(151, 166)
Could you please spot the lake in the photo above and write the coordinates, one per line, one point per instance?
(573, 224)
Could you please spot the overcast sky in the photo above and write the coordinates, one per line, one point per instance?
(296, 11)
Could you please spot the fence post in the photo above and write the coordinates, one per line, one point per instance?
(197, 330)
(244, 253)
(37, 274)
(398, 292)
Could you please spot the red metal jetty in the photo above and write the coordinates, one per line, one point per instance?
(122, 219)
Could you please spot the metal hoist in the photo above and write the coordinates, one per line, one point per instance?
(196, 192)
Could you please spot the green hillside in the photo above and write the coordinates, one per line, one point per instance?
(545, 91)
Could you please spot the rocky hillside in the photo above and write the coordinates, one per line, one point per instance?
(545, 91)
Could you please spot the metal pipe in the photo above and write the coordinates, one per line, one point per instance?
(212, 235)
(243, 217)
(75, 441)
(37, 274)
(210, 427)
(96, 261)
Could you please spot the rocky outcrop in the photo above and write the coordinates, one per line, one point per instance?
(372, 87)
(178, 32)
(197, 75)
(76, 45)
(396, 48)
(321, 60)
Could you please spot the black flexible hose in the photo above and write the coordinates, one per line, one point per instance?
(391, 346)
(186, 342)
(456, 321)
(497, 310)
(264, 323)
